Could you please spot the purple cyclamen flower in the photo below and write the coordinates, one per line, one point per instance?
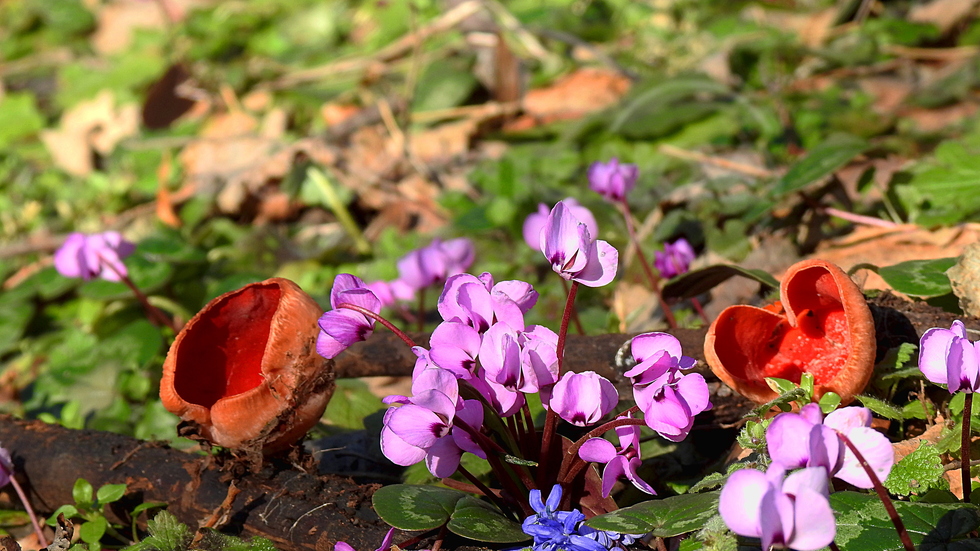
(525, 360)
(669, 399)
(612, 180)
(455, 346)
(573, 252)
(947, 357)
(435, 263)
(423, 428)
(620, 463)
(385, 543)
(656, 354)
(792, 512)
(96, 255)
(670, 403)
(584, 398)
(479, 303)
(535, 222)
(342, 327)
(675, 259)
(807, 439)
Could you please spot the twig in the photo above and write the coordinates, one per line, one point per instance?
(221, 514)
(525, 37)
(933, 54)
(393, 51)
(674, 151)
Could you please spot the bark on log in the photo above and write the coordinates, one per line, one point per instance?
(295, 510)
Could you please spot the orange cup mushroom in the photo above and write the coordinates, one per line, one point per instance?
(244, 372)
(822, 325)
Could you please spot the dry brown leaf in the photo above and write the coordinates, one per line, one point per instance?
(634, 305)
(934, 120)
(444, 142)
(570, 97)
(888, 246)
(889, 92)
(119, 19)
(96, 125)
(965, 279)
(336, 113)
(812, 28)
(944, 14)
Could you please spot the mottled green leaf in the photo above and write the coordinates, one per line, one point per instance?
(665, 518)
(409, 507)
(918, 278)
(862, 523)
(478, 520)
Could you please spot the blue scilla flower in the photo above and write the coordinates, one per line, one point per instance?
(555, 530)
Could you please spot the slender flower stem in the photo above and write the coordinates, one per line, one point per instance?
(27, 505)
(654, 280)
(377, 317)
(569, 467)
(882, 494)
(420, 321)
(700, 309)
(551, 419)
(965, 447)
(152, 311)
(500, 503)
(833, 546)
(575, 318)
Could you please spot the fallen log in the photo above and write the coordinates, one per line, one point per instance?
(294, 509)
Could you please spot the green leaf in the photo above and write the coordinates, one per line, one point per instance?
(882, 408)
(696, 282)
(70, 511)
(409, 507)
(862, 523)
(918, 278)
(82, 492)
(942, 191)
(917, 472)
(665, 107)
(14, 316)
(353, 402)
(443, 85)
(110, 493)
(93, 530)
(478, 520)
(19, 117)
(821, 161)
(664, 518)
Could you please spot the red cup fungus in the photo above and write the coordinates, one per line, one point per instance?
(822, 325)
(244, 372)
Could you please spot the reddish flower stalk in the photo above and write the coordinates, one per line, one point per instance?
(965, 447)
(551, 419)
(571, 465)
(27, 504)
(882, 494)
(155, 314)
(378, 318)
